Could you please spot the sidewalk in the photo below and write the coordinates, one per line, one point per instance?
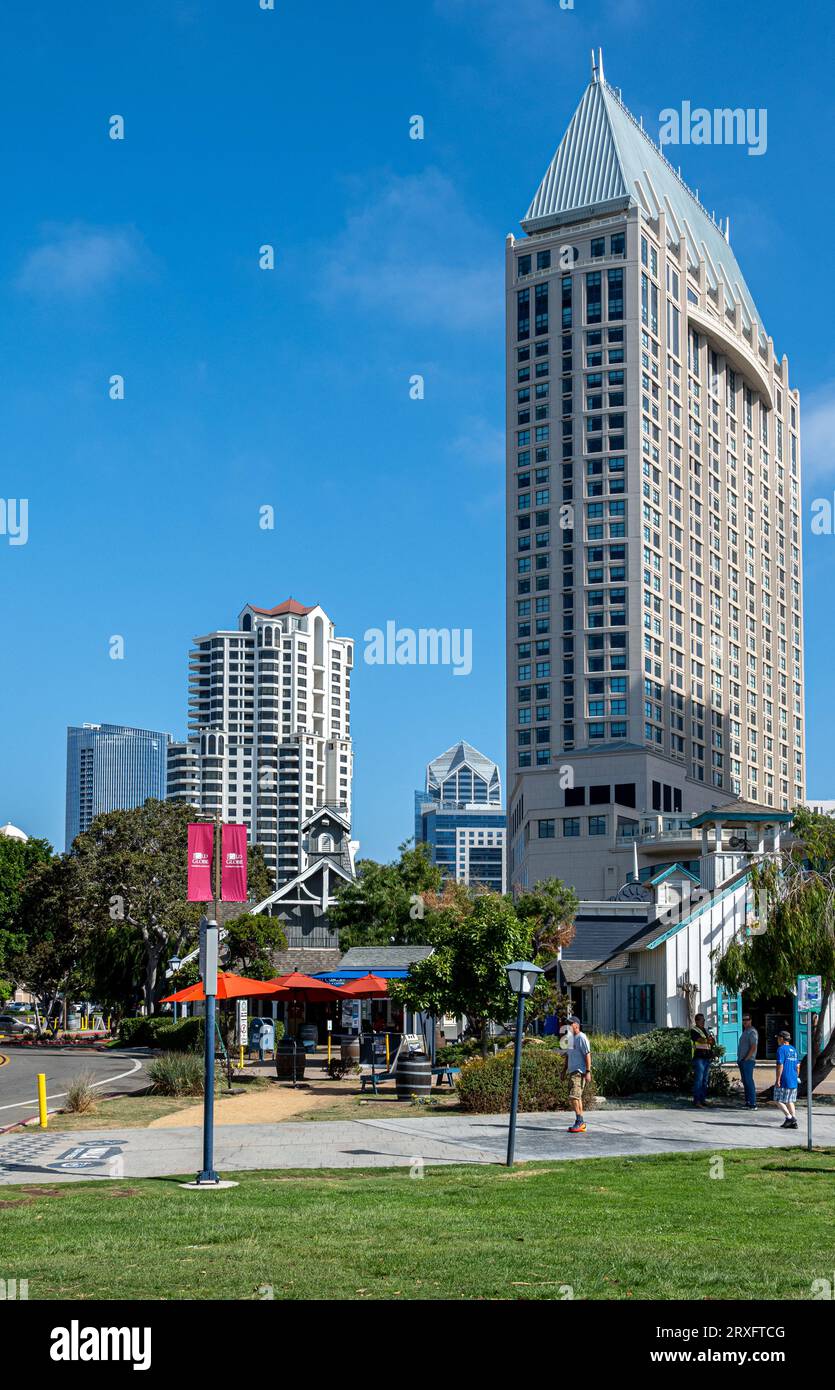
(382, 1143)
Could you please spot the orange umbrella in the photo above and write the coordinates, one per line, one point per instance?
(307, 988)
(229, 986)
(367, 987)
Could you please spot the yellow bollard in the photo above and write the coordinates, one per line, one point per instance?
(329, 1049)
(242, 1056)
(387, 1051)
(42, 1098)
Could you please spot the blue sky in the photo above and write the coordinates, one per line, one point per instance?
(291, 388)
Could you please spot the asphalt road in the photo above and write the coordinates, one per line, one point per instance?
(18, 1076)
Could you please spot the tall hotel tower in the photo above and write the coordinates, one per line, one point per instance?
(269, 736)
(654, 630)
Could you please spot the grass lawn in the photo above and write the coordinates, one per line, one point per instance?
(657, 1227)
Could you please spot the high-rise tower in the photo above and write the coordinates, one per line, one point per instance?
(654, 629)
(269, 727)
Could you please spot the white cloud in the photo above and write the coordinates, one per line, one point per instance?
(817, 435)
(415, 252)
(75, 260)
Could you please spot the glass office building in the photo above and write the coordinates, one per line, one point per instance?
(460, 816)
(111, 767)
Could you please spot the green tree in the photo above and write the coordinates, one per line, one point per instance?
(549, 909)
(50, 935)
(250, 943)
(387, 902)
(796, 906)
(260, 879)
(18, 860)
(474, 941)
(132, 868)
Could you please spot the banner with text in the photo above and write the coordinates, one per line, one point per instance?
(201, 841)
(233, 864)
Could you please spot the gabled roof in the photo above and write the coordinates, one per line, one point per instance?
(606, 161)
(671, 869)
(290, 889)
(386, 957)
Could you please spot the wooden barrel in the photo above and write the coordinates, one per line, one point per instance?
(414, 1078)
(350, 1050)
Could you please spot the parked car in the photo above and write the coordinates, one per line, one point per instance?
(11, 1023)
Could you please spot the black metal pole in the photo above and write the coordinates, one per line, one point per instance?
(517, 1071)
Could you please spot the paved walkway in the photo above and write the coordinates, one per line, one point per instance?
(384, 1143)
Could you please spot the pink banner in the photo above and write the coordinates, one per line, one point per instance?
(233, 864)
(201, 840)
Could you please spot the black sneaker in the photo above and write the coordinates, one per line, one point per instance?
(788, 1124)
(792, 1124)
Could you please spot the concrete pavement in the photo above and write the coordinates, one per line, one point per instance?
(384, 1143)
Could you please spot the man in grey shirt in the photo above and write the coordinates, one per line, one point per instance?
(746, 1056)
(579, 1072)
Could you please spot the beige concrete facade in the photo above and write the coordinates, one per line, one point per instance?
(654, 602)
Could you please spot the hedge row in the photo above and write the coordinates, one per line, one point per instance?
(186, 1035)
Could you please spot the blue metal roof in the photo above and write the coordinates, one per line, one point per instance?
(334, 977)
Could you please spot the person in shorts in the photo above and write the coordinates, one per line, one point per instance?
(579, 1072)
(785, 1080)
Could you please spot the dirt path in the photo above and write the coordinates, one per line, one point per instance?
(278, 1102)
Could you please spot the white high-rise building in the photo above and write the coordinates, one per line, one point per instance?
(655, 641)
(269, 736)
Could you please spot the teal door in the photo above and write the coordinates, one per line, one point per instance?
(729, 1022)
(800, 1034)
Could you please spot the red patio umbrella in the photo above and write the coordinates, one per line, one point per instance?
(229, 986)
(368, 986)
(305, 987)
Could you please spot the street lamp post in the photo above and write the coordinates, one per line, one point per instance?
(173, 966)
(208, 971)
(522, 976)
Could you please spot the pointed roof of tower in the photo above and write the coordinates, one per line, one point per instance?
(606, 160)
(459, 755)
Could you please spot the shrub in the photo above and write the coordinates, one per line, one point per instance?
(160, 1030)
(620, 1073)
(177, 1074)
(133, 1031)
(81, 1098)
(667, 1058)
(186, 1035)
(484, 1084)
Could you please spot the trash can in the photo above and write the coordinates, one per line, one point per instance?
(289, 1060)
(309, 1036)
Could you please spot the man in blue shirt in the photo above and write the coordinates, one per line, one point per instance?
(785, 1080)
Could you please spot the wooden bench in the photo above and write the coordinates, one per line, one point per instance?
(373, 1079)
(448, 1072)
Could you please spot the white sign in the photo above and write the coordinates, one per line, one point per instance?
(242, 1022)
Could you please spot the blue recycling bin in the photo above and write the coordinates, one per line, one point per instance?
(261, 1036)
